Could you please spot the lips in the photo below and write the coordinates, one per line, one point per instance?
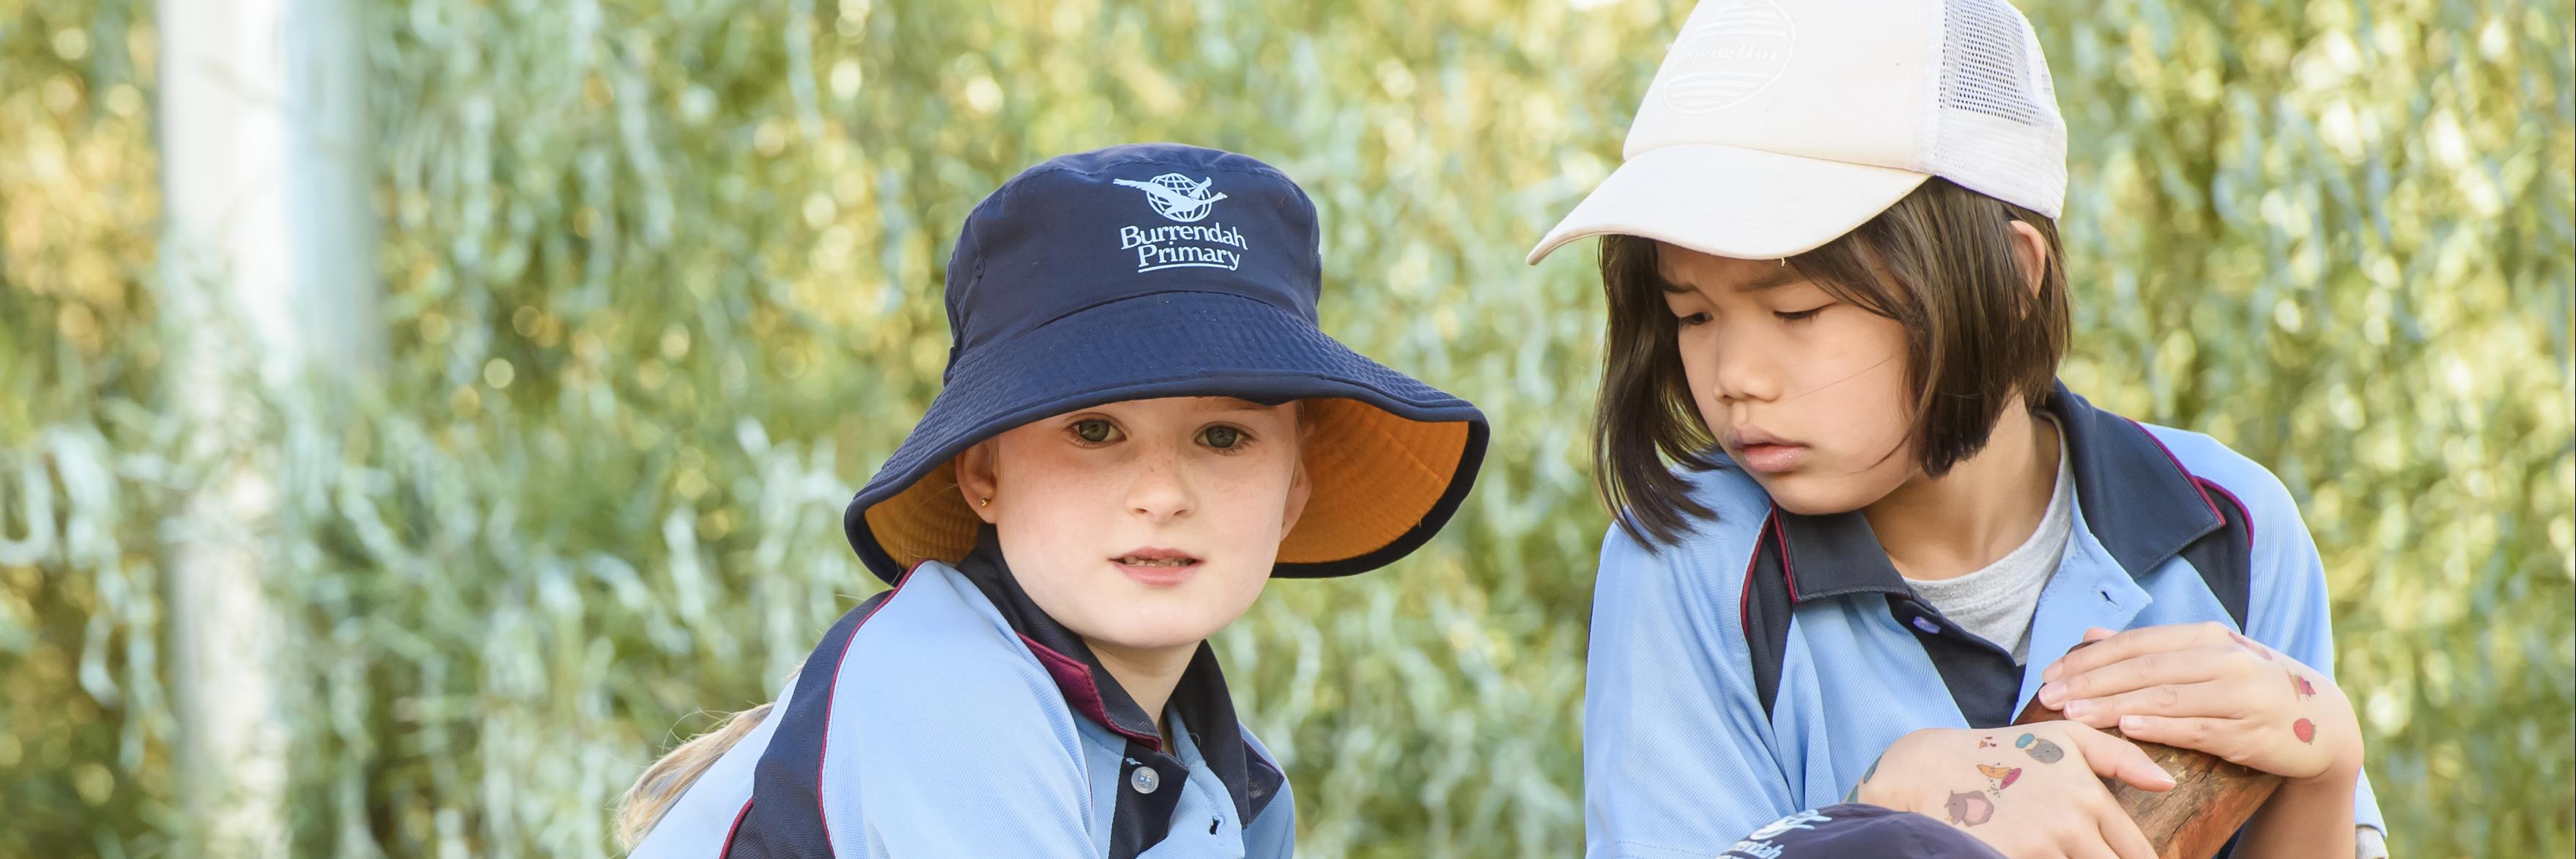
(1157, 567)
(1764, 453)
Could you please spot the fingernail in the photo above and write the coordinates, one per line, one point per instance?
(2131, 723)
(2049, 693)
(2077, 709)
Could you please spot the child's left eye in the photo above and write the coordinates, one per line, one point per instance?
(1095, 431)
(1221, 438)
(1799, 315)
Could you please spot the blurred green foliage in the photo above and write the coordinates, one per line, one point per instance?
(662, 288)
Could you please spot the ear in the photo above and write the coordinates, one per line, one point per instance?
(976, 480)
(1299, 489)
(2032, 252)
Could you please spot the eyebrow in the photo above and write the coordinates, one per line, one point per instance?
(1230, 404)
(1778, 277)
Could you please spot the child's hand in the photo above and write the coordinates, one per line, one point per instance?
(2030, 791)
(2203, 686)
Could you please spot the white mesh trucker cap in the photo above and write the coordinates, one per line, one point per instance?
(1775, 126)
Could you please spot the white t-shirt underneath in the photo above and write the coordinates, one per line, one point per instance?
(1996, 603)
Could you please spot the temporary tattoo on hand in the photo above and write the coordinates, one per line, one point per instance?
(1972, 807)
(2040, 750)
(2306, 730)
(1969, 808)
(2301, 686)
(1985, 742)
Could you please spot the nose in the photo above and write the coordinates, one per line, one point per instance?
(1746, 368)
(1161, 491)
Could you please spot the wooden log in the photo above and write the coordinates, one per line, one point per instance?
(2211, 798)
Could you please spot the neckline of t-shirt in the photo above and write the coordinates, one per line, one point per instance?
(2058, 517)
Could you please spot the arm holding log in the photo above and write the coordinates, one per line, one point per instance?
(2263, 720)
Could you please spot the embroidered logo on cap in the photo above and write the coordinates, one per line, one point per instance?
(1729, 57)
(1758, 845)
(1176, 197)
(1780, 827)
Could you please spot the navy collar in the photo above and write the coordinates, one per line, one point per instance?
(2137, 500)
(1201, 701)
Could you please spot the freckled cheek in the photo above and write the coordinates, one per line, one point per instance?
(1245, 499)
(1065, 508)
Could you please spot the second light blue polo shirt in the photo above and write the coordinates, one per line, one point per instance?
(1681, 755)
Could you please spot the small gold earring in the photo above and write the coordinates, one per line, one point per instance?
(985, 501)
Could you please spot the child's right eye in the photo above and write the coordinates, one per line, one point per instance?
(1095, 431)
(1694, 319)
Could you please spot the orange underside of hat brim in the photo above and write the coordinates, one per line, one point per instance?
(1375, 476)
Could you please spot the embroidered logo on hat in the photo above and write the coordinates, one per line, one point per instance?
(1730, 57)
(1176, 197)
(1800, 820)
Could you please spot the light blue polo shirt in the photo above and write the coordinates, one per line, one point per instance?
(951, 717)
(1681, 758)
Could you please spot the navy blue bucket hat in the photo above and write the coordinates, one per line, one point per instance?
(1849, 831)
(1159, 270)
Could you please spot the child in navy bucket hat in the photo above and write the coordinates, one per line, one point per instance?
(1141, 424)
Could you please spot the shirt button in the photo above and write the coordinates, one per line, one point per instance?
(1144, 779)
(1928, 627)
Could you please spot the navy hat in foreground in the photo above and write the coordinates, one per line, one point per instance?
(1859, 832)
(1159, 270)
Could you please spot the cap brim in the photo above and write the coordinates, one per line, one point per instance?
(1388, 457)
(1733, 202)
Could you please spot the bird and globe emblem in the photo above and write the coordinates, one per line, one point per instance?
(1174, 196)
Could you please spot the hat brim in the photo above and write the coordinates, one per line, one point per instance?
(1388, 457)
(1733, 202)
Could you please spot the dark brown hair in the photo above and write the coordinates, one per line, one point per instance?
(1940, 262)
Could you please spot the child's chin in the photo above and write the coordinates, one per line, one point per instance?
(1813, 495)
(1159, 623)
(1157, 634)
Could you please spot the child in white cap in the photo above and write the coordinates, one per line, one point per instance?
(1859, 519)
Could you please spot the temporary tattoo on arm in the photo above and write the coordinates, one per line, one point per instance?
(2306, 731)
(2300, 686)
(2000, 777)
(1985, 742)
(1871, 773)
(2040, 750)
